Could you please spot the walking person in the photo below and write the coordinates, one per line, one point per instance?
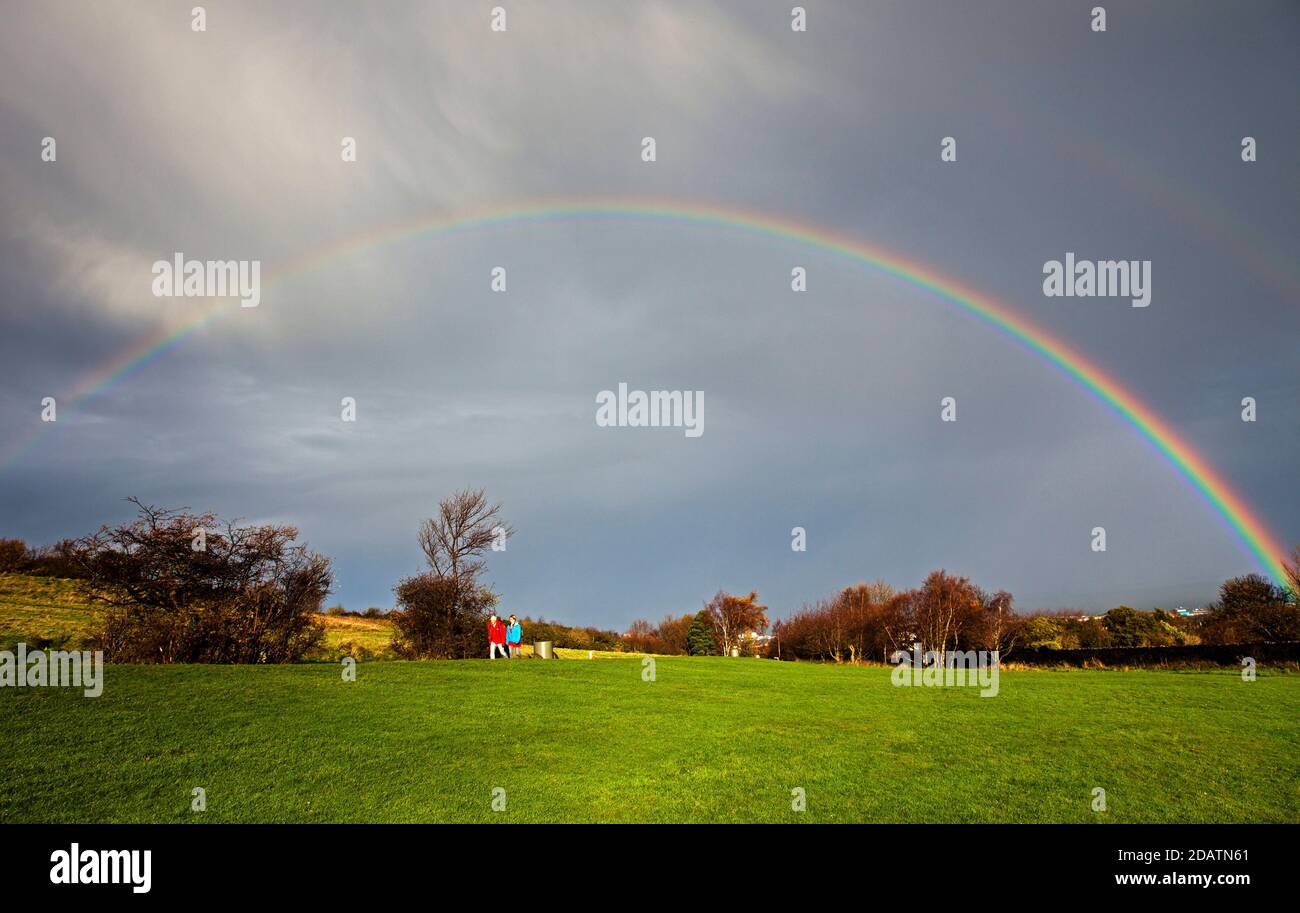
(513, 635)
(496, 637)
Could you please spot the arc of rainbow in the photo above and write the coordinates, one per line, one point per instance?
(1241, 520)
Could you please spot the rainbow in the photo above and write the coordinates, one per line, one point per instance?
(1258, 541)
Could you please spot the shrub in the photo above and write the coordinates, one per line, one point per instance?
(249, 595)
(441, 617)
(13, 555)
(355, 650)
(1041, 632)
(1252, 608)
(59, 560)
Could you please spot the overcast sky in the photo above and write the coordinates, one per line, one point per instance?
(821, 408)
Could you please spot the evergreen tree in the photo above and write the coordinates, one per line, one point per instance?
(700, 640)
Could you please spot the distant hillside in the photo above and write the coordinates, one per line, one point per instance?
(43, 612)
(370, 634)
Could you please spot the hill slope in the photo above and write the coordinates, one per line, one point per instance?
(709, 739)
(43, 611)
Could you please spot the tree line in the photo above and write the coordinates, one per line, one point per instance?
(183, 587)
(727, 624)
(947, 612)
(869, 622)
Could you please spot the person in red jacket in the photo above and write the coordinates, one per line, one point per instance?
(496, 638)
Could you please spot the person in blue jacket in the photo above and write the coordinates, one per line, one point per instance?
(513, 635)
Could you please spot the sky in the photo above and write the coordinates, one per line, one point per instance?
(821, 408)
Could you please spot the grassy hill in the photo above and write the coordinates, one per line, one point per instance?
(373, 634)
(43, 611)
(710, 739)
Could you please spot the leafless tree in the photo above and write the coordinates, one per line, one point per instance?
(879, 591)
(1293, 575)
(13, 552)
(999, 620)
(449, 601)
(465, 527)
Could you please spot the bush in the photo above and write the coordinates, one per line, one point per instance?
(1092, 635)
(357, 651)
(13, 555)
(1252, 608)
(570, 637)
(441, 618)
(248, 595)
(59, 560)
(1041, 632)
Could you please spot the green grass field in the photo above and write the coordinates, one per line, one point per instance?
(711, 739)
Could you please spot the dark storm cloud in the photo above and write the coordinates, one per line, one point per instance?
(821, 409)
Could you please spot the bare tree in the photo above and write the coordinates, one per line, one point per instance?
(895, 624)
(1001, 632)
(1293, 575)
(829, 634)
(13, 553)
(465, 527)
(879, 591)
(857, 618)
(454, 541)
